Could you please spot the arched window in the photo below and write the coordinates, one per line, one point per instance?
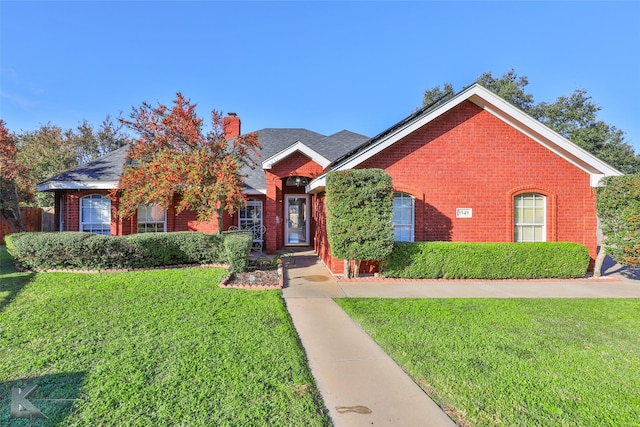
(403, 217)
(530, 213)
(95, 214)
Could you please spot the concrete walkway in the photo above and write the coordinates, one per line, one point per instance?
(361, 385)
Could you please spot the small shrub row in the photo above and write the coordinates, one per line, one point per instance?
(453, 260)
(86, 251)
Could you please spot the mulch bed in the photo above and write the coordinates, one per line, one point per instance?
(257, 279)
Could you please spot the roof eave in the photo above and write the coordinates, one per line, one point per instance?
(296, 147)
(77, 185)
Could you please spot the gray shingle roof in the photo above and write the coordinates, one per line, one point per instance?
(99, 173)
(275, 140)
(106, 170)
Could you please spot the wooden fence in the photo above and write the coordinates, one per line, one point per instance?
(32, 218)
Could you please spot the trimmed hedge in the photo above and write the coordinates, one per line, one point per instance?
(453, 260)
(86, 251)
(237, 246)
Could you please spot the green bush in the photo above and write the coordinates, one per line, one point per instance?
(157, 249)
(237, 246)
(453, 260)
(86, 251)
(359, 213)
(618, 202)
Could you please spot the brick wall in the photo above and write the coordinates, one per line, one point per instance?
(185, 221)
(297, 164)
(468, 158)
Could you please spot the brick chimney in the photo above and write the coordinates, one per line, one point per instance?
(231, 126)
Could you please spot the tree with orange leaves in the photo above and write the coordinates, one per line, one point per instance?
(15, 186)
(173, 157)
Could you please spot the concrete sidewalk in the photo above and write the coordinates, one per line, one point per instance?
(360, 384)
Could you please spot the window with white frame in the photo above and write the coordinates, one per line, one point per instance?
(250, 214)
(403, 217)
(152, 219)
(95, 214)
(530, 218)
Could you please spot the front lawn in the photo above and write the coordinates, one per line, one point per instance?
(516, 362)
(157, 348)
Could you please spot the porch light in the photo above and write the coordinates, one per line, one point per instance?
(297, 181)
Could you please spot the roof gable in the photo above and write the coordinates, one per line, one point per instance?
(496, 106)
(297, 147)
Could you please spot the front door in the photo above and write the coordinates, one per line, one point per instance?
(296, 226)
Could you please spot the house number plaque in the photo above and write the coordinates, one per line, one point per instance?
(463, 213)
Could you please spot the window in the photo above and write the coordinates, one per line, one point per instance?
(152, 219)
(529, 218)
(403, 217)
(250, 214)
(95, 214)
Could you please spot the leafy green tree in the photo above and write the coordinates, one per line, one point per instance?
(172, 156)
(47, 152)
(359, 214)
(618, 203)
(574, 117)
(509, 87)
(436, 95)
(91, 143)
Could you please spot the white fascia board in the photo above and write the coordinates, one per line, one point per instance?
(255, 192)
(298, 146)
(401, 132)
(511, 115)
(544, 135)
(317, 185)
(75, 185)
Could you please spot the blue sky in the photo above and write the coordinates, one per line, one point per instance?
(324, 66)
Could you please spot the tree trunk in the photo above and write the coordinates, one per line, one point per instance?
(597, 268)
(356, 268)
(11, 223)
(347, 268)
(220, 215)
(13, 217)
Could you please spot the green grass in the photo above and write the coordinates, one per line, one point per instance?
(516, 362)
(158, 348)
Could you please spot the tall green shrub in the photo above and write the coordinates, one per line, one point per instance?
(237, 246)
(618, 202)
(359, 214)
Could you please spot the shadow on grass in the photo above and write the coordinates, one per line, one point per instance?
(55, 397)
(11, 282)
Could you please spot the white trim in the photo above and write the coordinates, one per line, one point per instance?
(403, 195)
(254, 192)
(501, 109)
(532, 224)
(83, 223)
(254, 203)
(317, 185)
(307, 219)
(302, 148)
(152, 221)
(76, 185)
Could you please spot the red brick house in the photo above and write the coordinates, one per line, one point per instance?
(472, 169)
